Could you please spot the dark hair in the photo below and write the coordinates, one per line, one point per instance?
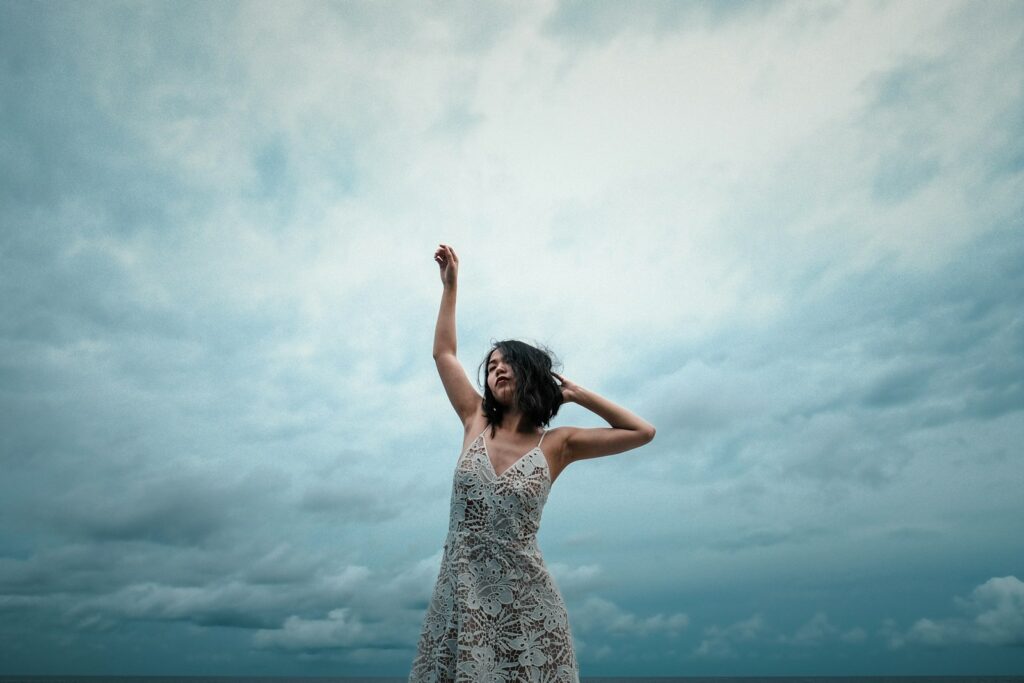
(538, 395)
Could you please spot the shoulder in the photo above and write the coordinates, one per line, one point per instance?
(555, 451)
(554, 443)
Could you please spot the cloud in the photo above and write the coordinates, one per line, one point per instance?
(812, 632)
(819, 630)
(387, 612)
(179, 511)
(412, 586)
(352, 502)
(994, 616)
(720, 642)
(601, 21)
(232, 603)
(749, 539)
(576, 580)
(215, 231)
(339, 630)
(602, 615)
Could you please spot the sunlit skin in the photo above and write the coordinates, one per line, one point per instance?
(516, 435)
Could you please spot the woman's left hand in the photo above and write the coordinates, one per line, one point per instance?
(569, 388)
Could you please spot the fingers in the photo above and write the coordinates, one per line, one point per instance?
(445, 254)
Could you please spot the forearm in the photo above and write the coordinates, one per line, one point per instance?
(444, 333)
(615, 415)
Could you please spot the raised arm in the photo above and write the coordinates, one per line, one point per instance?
(627, 430)
(464, 398)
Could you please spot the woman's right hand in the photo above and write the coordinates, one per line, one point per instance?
(449, 264)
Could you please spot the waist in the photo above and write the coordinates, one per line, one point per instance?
(525, 543)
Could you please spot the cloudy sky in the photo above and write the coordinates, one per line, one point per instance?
(789, 235)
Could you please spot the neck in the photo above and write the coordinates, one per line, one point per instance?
(515, 421)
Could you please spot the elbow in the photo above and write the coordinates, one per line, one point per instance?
(649, 434)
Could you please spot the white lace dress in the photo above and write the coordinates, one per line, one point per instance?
(496, 614)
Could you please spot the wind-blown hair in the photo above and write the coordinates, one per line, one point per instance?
(537, 393)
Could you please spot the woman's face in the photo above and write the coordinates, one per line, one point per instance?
(500, 377)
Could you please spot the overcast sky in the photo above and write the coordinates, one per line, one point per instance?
(789, 235)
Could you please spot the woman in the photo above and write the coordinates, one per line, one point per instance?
(495, 613)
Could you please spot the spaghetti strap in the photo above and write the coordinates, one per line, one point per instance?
(542, 438)
(470, 446)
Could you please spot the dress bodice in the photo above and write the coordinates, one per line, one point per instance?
(504, 508)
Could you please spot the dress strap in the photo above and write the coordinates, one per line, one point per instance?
(542, 438)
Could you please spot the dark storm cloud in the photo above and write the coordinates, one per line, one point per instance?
(230, 602)
(96, 539)
(94, 586)
(899, 386)
(754, 538)
(171, 511)
(350, 503)
(72, 568)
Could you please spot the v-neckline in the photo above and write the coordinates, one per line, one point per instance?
(487, 456)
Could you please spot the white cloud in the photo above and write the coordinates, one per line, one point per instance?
(602, 615)
(812, 632)
(720, 641)
(575, 579)
(994, 616)
(819, 630)
(341, 629)
(231, 603)
(414, 584)
(854, 635)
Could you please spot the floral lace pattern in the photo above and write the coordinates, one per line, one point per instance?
(496, 614)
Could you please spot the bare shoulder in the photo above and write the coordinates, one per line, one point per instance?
(554, 448)
(554, 439)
